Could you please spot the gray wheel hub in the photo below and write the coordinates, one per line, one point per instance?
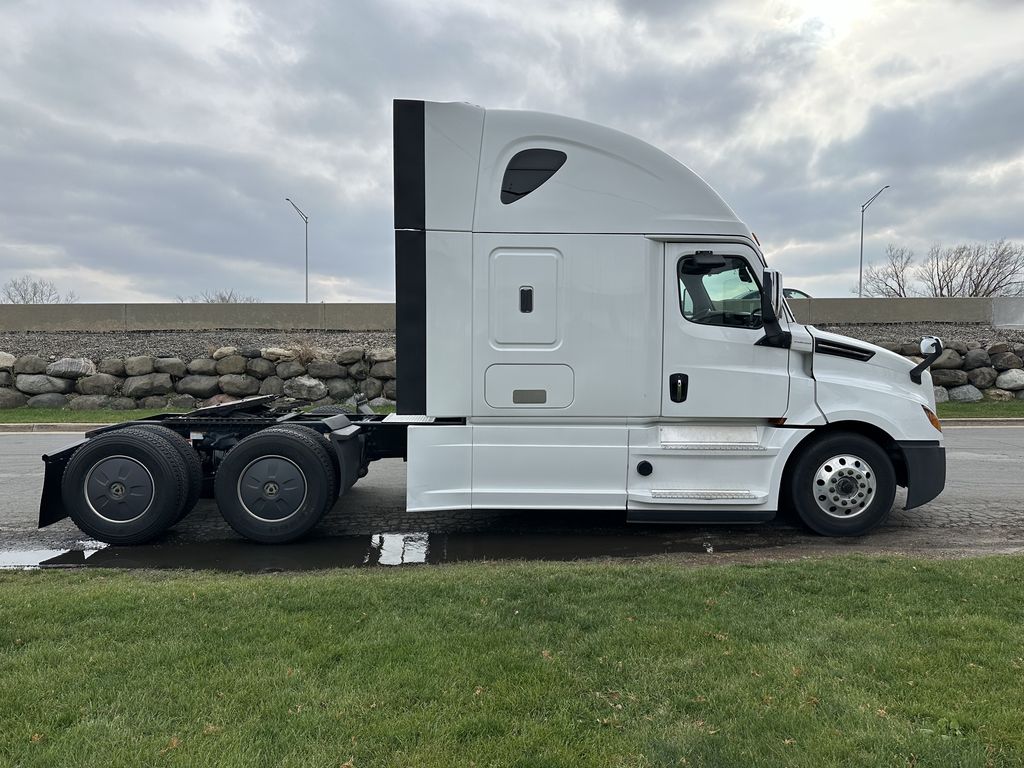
(119, 489)
(844, 486)
(272, 488)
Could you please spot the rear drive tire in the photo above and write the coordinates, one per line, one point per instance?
(842, 484)
(275, 485)
(125, 487)
(192, 464)
(322, 438)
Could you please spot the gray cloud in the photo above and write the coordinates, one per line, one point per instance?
(146, 148)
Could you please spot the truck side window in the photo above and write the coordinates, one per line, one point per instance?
(527, 170)
(723, 293)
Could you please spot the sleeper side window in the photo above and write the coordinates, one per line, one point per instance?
(718, 290)
(527, 170)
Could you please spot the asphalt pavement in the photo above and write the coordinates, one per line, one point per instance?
(981, 511)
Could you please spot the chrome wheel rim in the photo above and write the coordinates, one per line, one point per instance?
(272, 488)
(119, 489)
(844, 486)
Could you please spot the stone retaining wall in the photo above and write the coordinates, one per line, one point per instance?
(967, 372)
(308, 376)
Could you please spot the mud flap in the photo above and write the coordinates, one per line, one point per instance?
(51, 505)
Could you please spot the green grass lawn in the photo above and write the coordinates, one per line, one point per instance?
(841, 662)
(984, 409)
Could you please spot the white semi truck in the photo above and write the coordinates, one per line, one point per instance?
(582, 323)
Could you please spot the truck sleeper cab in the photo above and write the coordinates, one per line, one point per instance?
(582, 323)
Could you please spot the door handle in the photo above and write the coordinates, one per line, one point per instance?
(678, 384)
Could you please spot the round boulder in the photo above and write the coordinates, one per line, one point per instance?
(203, 366)
(359, 370)
(153, 401)
(384, 370)
(325, 369)
(1012, 380)
(260, 368)
(223, 352)
(239, 384)
(98, 384)
(121, 404)
(199, 386)
(975, 358)
(289, 369)
(7, 361)
(12, 398)
(371, 387)
(999, 395)
(350, 355)
(71, 368)
(380, 355)
(340, 389)
(968, 393)
(1004, 361)
(111, 365)
(175, 366)
(149, 384)
(272, 385)
(949, 359)
(48, 400)
(391, 390)
(231, 364)
(140, 365)
(982, 378)
(998, 347)
(41, 384)
(30, 364)
(278, 354)
(957, 345)
(305, 388)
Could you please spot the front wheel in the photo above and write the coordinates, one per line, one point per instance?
(843, 484)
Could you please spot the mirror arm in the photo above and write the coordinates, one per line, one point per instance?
(774, 335)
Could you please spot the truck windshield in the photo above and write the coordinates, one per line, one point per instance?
(725, 294)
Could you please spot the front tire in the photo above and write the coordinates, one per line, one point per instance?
(842, 484)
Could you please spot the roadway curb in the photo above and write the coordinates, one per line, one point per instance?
(65, 427)
(982, 422)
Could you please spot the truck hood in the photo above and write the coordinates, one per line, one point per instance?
(845, 346)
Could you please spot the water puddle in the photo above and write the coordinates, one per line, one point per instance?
(382, 549)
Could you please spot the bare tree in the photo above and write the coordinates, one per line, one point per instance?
(32, 290)
(979, 269)
(891, 278)
(220, 296)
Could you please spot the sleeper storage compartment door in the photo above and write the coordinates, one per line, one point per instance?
(528, 386)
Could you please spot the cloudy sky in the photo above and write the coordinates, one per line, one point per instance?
(147, 146)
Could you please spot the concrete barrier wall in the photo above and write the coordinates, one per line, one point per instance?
(196, 317)
(1000, 312)
(858, 311)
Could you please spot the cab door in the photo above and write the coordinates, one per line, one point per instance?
(712, 364)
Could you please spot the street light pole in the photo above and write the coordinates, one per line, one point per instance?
(305, 218)
(860, 289)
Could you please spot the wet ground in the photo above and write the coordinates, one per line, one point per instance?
(980, 512)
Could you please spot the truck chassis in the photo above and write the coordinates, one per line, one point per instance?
(128, 483)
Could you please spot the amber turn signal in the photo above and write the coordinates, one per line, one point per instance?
(932, 418)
